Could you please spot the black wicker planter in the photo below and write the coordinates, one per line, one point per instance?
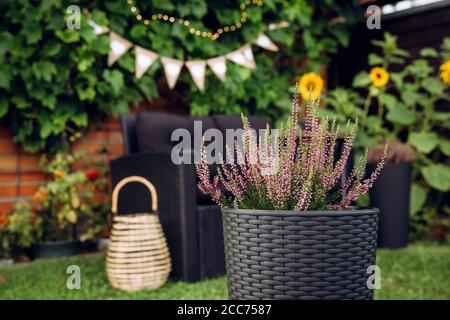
(391, 193)
(299, 255)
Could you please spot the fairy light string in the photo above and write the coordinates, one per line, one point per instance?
(212, 35)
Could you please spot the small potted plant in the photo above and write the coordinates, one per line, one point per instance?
(67, 206)
(288, 233)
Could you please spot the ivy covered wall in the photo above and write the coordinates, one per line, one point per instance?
(54, 81)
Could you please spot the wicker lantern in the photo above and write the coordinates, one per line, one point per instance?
(138, 257)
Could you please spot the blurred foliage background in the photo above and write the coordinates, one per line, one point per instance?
(54, 81)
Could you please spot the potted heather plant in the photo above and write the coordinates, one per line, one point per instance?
(291, 233)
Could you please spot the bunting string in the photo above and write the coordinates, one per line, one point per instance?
(144, 58)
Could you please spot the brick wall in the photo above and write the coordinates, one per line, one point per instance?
(19, 171)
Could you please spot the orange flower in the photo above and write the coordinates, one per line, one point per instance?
(3, 220)
(40, 196)
(58, 173)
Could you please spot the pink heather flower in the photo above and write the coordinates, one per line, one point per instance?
(306, 174)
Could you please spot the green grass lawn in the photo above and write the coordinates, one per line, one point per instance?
(418, 272)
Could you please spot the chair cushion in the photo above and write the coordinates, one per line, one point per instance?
(154, 129)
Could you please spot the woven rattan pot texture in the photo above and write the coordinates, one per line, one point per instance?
(299, 255)
(138, 257)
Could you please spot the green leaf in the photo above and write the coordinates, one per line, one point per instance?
(401, 115)
(68, 36)
(440, 116)
(341, 34)
(424, 142)
(434, 86)
(417, 198)
(361, 80)
(437, 176)
(444, 145)
(32, 32)
(20, 102)
(148, 87)
(428, 53)
(375, 59)
(44, 70)
(81, 119)
(115, 79)
(410, 96)
(389, 100)
(5, 76)
(397, 79)
(85, 92)
(46, 128)
(3, 106)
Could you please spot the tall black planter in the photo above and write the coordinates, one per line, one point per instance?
(299, 255)
(390, 193)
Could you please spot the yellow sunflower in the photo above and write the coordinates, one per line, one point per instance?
(310, 86)
(445, 72)
(445, 65)
(379, 77)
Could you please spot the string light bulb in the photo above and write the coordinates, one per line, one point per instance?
(213, 35)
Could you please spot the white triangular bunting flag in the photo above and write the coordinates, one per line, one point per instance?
(264, 42)
(218, 66)
(172, 68)
(248, 54)
(143, 60)
(98, 30)
(243, 56)
(279, 25)
(197, 71)
(118, 46)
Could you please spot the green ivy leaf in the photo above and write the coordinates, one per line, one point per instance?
(51, 49)
(85, 92)
(80, 119)
(44, 70)
(417, 198)
(138, 31)
(424, 142)
(115, 79)
(361, 80)
(68, 36)
(147, 86)
(20, 102)
(5, 76)
(46, 129)
(437, 176)
(3, 106)
(32, 32)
